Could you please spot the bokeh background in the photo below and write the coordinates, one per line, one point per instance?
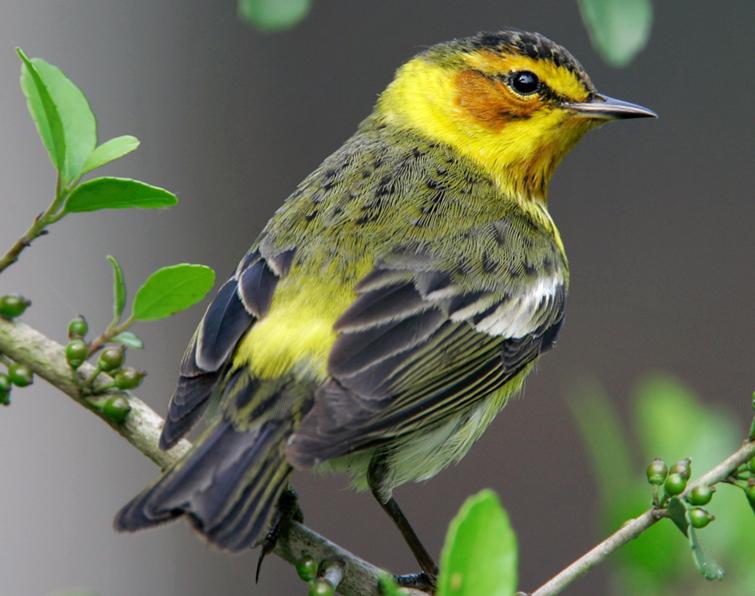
(656, 215)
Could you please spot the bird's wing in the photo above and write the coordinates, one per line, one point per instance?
(427, 337)
(241, 300)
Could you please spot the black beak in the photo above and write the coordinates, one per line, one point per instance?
(608, 108)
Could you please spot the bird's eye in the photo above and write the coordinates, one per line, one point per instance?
(524, 82)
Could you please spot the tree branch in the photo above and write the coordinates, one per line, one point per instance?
(360, 578)
(633, 528)
(142, 429)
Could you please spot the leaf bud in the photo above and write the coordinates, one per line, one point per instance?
(12, 306)
(78, 328)
(657, 472)
(76, 353)
(699, 517)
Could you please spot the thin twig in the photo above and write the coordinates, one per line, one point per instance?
(142, 429)
(638, 525)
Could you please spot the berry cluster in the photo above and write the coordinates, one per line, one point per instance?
(674, 482)
(16, 374)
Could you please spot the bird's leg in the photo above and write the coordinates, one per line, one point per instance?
(288, 509)
(426, 579)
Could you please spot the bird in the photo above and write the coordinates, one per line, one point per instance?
(395, 301)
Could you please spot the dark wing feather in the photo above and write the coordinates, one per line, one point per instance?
(410, 352)
(241, 300)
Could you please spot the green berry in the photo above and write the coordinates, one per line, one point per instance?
(699, 518)
(307, 568)
(78, 328)
(675, 484)
(657, 472)
(320, 587)
(111, 358)
(116, 408)
(751, 465)
(682, 467)
(20, 375)
(128, 378)
(76, 353)
(5, 387)
(700, 495)
(13, 305)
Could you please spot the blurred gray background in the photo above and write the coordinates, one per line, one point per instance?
(657, 217)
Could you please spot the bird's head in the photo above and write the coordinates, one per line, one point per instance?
(514, 102)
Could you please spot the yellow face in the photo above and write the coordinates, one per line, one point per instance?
(515, 115)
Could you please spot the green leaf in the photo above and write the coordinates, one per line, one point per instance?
(480, 552)
(677, 512)
(117, 193)
(273, 15)
(706, 566)
(110, 151)
(170, 290)
(79, 128)
(43, 111)
(130, 340)
(618, 29)
(388, 587)
(119, 288)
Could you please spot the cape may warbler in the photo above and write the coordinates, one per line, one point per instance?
(396, 300)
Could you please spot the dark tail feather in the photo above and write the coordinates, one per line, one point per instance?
(186, 407)
(227, 486)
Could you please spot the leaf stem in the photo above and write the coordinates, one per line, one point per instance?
(38, 227)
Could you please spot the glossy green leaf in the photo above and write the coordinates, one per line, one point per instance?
(119, 288)
(110, 151)
(129, 339)
(618, 29)
(172, 289)
(273, 15)
(480, 552)
(43, 112)
(117, 193)
(79, 128)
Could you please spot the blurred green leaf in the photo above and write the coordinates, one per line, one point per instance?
(130, 340)
(273, 15)
(117, 193)
(119, 288)
(172, 289)
(480, 552)
(79, 129)
(110, 151)
(604, 437)
(618, 29)
(388, 587)
(43, 111)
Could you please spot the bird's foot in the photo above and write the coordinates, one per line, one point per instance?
(418, 581)
(288, 509)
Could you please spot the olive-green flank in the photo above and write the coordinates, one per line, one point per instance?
(394, 302)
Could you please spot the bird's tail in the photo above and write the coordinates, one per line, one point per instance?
(227, 486)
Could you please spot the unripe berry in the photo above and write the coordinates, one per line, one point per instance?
(307, 568)
(699, 518)
(128, 378)
(657, 472)
(76, 353)
(20, 375)
(111, 358)
(751, 465)
(675, 484)
(12, 306)
(116, 408)
(320, 587)
(682, 467)
(5, 387)
(78, 328)
(700, 495)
